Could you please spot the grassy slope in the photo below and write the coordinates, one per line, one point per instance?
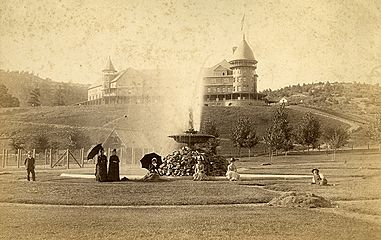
(55, 120)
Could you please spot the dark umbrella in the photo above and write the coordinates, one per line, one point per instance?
(94, 150)
(147, 160)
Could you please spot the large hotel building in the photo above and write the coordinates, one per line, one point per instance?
(228, 83)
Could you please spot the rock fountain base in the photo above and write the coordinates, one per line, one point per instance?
(182, 163)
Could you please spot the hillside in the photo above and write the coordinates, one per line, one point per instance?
(357, 100)
(96, 122)
(20, 85)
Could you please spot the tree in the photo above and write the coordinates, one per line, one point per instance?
(34, 99)
(77, 139)
(210, 127)
(40, 142)
(243, 135)
(251, 140)
(59, 97)
(308, 131)
(374, 130)
(279, 135)
(335, 138)
(6, 99)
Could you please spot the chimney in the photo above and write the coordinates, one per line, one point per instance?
(234, 48)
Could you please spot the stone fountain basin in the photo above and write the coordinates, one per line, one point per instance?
(191, 138)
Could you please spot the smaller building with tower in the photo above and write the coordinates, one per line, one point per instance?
(127, 86)
(233, 82)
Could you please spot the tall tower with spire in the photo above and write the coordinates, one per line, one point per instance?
(243, 65)
(109, 73)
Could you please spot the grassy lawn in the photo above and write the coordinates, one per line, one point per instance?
(354, 188)
(52, 189)
(202, 222)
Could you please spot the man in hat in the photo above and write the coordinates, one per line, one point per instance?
(30, 165)
(318, 178)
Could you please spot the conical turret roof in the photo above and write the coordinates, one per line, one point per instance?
(109, 66)
(243, 51)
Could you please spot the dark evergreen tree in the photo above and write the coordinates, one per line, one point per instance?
(59, 97)
(34, 99)
(279, 135)
(6, 99)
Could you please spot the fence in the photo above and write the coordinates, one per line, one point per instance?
(68, 158)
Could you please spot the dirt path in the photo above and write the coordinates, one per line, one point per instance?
(353, 125)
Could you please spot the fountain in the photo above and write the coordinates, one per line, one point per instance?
(191, 136)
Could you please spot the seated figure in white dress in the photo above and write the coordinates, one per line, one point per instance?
(232, 173)
(318, 178)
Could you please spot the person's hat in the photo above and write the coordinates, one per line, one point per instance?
(114, 150)
(233, 159)
(29, 153)
(154, 159)
(314, 170)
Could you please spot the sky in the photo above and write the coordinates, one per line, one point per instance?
(294, 41)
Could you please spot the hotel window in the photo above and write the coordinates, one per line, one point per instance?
(224, 90)
(239, 89)
(209, 90)
(213, 81)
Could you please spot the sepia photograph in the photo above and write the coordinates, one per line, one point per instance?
(190, 119)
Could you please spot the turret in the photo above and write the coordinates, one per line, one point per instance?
(109, 74)
(243, 65)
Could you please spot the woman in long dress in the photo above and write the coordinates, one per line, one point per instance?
(101, 167)
(232, 173)
(199, 174)
(113, 168)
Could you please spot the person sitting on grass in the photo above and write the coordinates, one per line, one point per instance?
(232, 173)
(318, 178)
(199, 171)
(153, 171)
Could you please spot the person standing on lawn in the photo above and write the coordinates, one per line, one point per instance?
(101, 167)
(113, 167)
(30, 165)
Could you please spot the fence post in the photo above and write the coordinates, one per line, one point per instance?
(34, 153)
(3, 158)
(132, 156)
(50, 157)
(121, 155)
(6, 158)
(82, 156)
(18, 158)
(46, 157)
(67, 158)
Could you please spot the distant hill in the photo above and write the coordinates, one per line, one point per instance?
(20, 84)
(358, 99)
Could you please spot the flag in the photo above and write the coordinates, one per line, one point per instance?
(242, 22)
